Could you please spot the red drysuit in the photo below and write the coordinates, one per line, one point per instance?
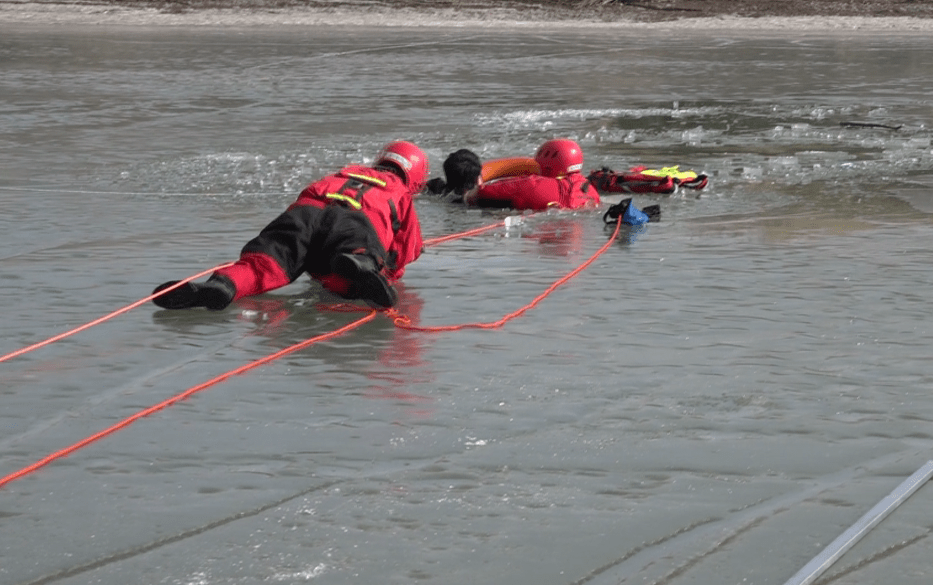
(355, 210)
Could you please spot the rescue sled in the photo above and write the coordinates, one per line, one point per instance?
(662, 181)
(513, 166)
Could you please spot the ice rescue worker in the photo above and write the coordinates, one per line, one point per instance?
(560, 183)
(354, 231)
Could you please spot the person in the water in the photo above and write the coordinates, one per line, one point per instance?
(462, 171)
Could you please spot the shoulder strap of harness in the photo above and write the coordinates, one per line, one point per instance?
(352, 191)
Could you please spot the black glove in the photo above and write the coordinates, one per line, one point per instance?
(617, 210)
(436, 186)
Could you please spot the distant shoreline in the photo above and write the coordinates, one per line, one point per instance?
(439, 16)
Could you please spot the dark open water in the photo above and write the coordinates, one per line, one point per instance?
(714, 400)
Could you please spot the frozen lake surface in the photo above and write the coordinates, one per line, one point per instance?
(713, 400)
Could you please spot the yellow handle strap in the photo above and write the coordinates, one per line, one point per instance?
(345, 199)
(669, 172)
(367, 179)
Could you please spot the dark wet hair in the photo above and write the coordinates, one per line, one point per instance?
(462, 169)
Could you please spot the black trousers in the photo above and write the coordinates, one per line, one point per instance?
(306, 238)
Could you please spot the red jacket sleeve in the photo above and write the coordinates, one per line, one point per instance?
(407, 242)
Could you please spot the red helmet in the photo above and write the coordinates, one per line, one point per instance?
(408, 157)
(558, 157)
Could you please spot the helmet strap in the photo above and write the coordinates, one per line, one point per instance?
(392, 168)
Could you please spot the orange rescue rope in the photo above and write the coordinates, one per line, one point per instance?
(473, 232)
(179, 397)
(404, 322)
(100, 320)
